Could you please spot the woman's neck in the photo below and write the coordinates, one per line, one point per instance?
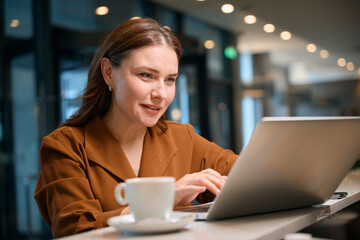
(125, 133)
(130, 138)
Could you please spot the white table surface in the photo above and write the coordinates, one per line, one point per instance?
(264, 226)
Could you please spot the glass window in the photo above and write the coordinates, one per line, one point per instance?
(23, 108)
(248, 118)
(81, 19)
(185, 107)
(204, 32)
(166, 18)
(220, 124)
(18, 19)
(179, 110)
(72, 83)
(1, 129)
(119, 11)
(80, 15)
(73, 15)
(25, 141)
(246, 68)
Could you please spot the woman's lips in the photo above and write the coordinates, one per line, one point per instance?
(151, 108)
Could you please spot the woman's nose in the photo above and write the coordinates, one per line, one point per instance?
(159, 90)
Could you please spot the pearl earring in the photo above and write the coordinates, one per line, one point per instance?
(110, 89)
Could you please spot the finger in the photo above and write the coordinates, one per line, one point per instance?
(208, 178)
(187, 193)
(191, 189)
(188, 188)
(214, 177)
(211, 186)
(212, 172)
(218, 182)
(213, 182)
(196, 189)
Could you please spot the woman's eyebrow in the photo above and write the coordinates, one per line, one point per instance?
(173, 75)
(142, 68)
(155, 71)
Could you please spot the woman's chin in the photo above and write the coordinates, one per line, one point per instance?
(150, 123)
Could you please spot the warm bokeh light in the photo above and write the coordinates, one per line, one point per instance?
(285, 35)
(176, 114)
(311, 47)
(324, 54)
(167, 27)
(341, 62)
(134, 18)
(103, 10)
(14, 23)
(200, 0)
(250, 19)
(350, 66)
(227, 8)
(209, 44)
(269, 28)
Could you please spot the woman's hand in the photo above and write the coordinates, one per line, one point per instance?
(189, 186)
(125, 211)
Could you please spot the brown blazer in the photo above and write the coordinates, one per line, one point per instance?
(80, 167)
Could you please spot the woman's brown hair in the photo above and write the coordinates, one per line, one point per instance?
(127, 36)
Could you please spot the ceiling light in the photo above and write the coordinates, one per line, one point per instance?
(200, 0)
(14, 23)
(103, 10)
(209, 44)
(350, 66)
(250, 19)
(135, 18)
(311, 47)
(227, 8)
(269, 28)
(324, 54)
(341, 62)
(285, 35)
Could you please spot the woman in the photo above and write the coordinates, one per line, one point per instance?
(119, 132)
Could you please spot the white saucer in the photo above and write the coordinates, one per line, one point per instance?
(126, 223)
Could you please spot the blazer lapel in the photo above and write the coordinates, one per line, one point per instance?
(158, 152)
(103, 149)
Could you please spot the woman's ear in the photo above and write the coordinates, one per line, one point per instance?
(106, 70)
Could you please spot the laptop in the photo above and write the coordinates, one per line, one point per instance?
(289, 162)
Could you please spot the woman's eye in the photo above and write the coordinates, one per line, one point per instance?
(170, 80)
(146, 76)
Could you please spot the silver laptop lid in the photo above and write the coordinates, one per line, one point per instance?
(289, 162)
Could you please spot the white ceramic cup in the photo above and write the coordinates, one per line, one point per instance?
(148, 197)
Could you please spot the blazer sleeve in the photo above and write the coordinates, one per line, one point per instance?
(63, 192)
(207, 154)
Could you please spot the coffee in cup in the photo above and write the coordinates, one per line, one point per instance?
(148, 197)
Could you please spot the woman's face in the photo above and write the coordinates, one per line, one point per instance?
(144, 85)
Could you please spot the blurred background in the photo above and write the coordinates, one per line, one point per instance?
(242, 60)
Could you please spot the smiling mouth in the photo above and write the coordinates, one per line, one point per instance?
(152, 108)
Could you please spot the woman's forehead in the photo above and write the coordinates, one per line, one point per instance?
(153, 56)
